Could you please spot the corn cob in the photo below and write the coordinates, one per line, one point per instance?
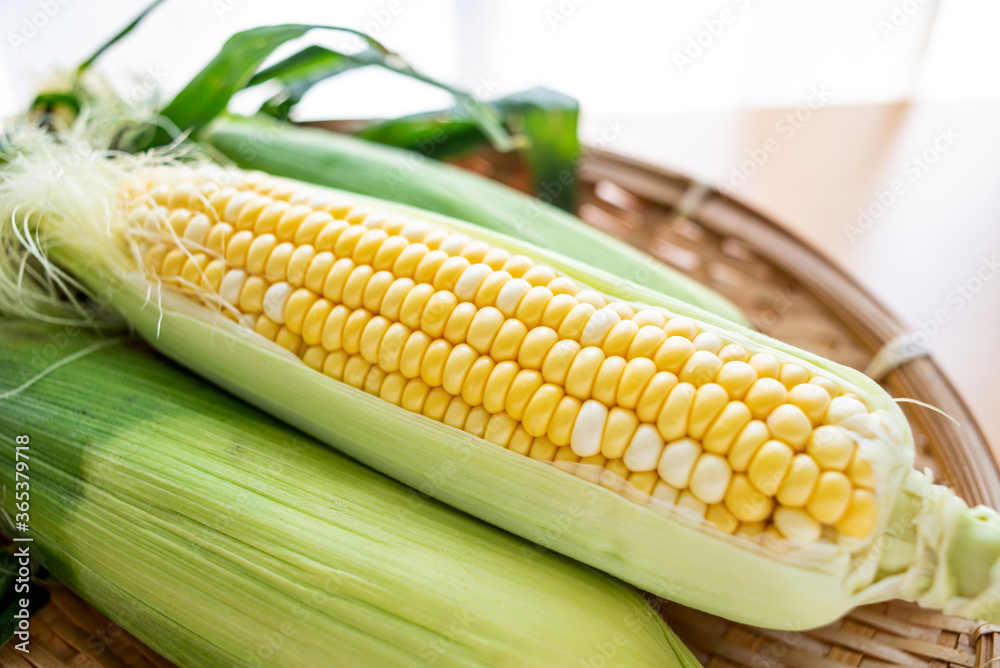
(693, 458)
(283, 552)
(338, 161)
(505, 349)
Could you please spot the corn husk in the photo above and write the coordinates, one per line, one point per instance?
(221, 537)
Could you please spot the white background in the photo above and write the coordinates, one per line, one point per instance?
(616, 56)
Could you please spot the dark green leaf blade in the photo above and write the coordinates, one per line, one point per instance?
(300, 72)
(208, 93)
(548, 120)
(52, 100)
(437, 134)
(303, 65)
(545, 121)
(232, 69)
(122, 33)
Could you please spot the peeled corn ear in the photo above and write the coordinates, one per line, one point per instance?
(223, 538)
(693, 458)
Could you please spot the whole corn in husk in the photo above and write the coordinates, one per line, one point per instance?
(223, 538)
(691, 457)
(339, 161)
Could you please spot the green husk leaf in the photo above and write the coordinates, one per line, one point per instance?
(221, 537)
(298, 74)
(314, 64)
(436, 134)
(338, 161)
(208, 93)
(119, 36)
(546, 119)
(306, 67)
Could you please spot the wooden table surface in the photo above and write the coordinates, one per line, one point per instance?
(905, 198)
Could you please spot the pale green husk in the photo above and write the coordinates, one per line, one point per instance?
(223, 538)
(928, 545)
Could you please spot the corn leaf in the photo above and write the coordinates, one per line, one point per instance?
(436, 134)
(121, 34)
(208, 93)
(548, 119)
(300, 72)
(545, 119)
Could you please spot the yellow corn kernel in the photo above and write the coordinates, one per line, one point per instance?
(720, 516)
(830, 498)
(673, 418)
(745, 446)
(798, 485)
(664, 492)
(860, 471)
(730, 422)
(687, 500)
(745, 502)
(859, 518)
(618, 430)
(736, 377)
(617, 467)
(673, 353)
(789, 424)
(764, 396)
(644, 481)
(811, 399)
(796, 524)
(709, 401)
(770, 466)
(831, 447)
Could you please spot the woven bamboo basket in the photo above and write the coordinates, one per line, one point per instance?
(788, 291)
